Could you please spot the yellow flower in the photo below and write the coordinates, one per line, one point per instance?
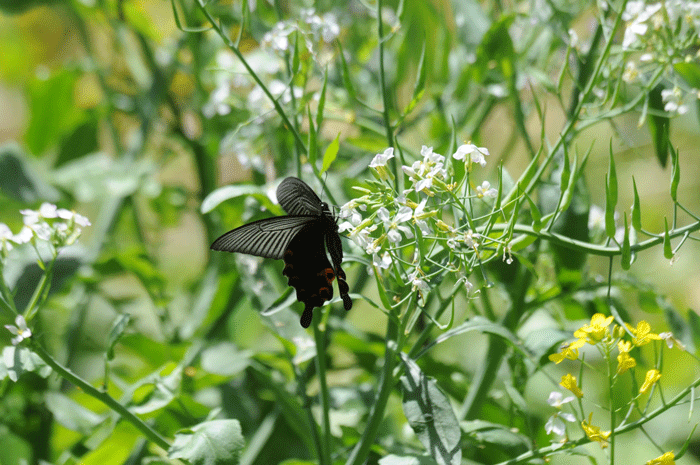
(642, 334)
(569, 351)
(624, 361)
(596, 331)
(594, 433)
(568, 381)
(666, 459)
(651, 378)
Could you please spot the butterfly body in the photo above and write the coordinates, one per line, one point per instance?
(300, 239)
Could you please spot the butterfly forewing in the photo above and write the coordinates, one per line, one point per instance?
(297, 198)
(267, 238)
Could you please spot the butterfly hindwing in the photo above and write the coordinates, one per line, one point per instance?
(301, 239)
(308, 269)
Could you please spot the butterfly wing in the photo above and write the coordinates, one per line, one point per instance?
(267, 238)
(308, 269)
(297, 198)
(335, 248)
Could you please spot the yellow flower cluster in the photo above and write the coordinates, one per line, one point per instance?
(598, 331)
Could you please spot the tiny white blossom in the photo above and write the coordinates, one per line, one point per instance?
(673, 101)
(418, 283)
(485, 190)
(381, 159)
(557, 399)
(476, 154)
(418, 215)
(21, 332)
(383, 261)
(471, 239)
(392, 226)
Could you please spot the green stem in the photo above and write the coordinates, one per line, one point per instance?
(359, 454)
(41, 291)
(103, 397)
(234, 49)
(325, 452)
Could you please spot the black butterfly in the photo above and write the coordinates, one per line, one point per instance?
(298, 238)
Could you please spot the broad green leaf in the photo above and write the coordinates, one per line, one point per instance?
(225, 359)
(216, 442)
(392, 459)
(52, 110)
(225, 193)
(14, 450)
(18, 360)
(430, 414)
(18, 179)
(81, 141)
(70, 414)
(331, 154)
(690, 72)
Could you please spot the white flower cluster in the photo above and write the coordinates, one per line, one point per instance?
(314, 28)
(383, 222)
(58, 226)
(662, 34)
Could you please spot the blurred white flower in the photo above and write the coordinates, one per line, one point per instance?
(21, 332)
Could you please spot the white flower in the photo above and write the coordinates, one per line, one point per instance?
(392, 226)
(418, 283)
(485, 190)
(673, 101)
(556, 424)
(470, 238)
(557, 399)
(418, 214)
(21, 332)
(383, 261)
(476, 154)
(381, 159)
(5, 238)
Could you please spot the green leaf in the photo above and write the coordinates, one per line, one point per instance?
(116, 332)
(225, 359)
(18, 360)
(81, 141)
(322, 101)
(331, 154)
(690, 72)
(392, 459)
(52, 110)
(675, 175)
(347, 82)
(609, 211)
(70, 414)
(636, 208)
(430, 414)
(659, 125)
(419, 88)
(225, 193)
(216, 442)
(18, 179)
(313, 140)
(668, 251)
